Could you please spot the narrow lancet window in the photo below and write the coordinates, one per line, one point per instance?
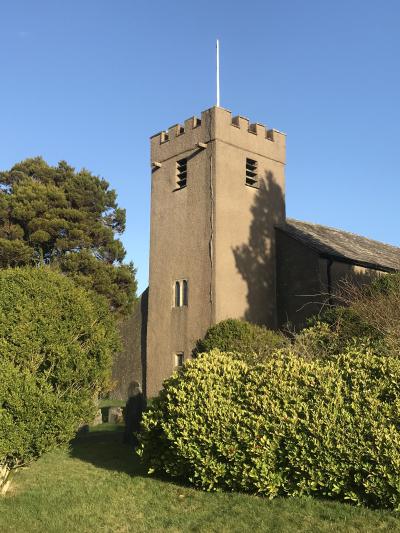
(177, 294)
(185, 292)
(181, 294)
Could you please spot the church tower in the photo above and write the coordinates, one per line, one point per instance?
(217, 194)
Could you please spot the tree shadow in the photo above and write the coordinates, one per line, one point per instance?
(106, 449)
(129, 365)
(255, 260)
(287, 282)
(144, 308)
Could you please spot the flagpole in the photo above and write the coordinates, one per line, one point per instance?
(217, 72)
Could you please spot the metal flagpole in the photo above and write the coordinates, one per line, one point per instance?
(217, 73)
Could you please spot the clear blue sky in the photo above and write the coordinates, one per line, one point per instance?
(89, 81)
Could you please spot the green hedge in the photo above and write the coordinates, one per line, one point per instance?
(56, 346)
(254, 342)
(287, 427)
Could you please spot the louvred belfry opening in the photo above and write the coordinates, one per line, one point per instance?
(181, 167)
(251, 172)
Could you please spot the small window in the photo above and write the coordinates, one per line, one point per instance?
(177, 294)
(179, 358)
(251, 172)
(185, 292)
(181, 295)
(181, 173)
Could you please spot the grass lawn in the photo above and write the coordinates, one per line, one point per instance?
(99, 486)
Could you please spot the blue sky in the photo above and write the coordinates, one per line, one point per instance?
(89, 81)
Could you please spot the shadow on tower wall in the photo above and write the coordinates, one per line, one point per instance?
(129, 366)
(255, 260)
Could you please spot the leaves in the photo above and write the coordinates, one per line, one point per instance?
(288, 426)
(253, 342)
(56, 347)
(48, 213)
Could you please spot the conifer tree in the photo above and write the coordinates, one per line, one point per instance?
(55, 215)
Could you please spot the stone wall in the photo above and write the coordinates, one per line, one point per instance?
(299, 281)
(130, 365)
(308, 281)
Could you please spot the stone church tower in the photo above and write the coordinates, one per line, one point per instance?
(217, 194)
(221, 247)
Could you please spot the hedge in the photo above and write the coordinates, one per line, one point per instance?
(287, 427)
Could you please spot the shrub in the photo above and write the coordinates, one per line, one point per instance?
(370, 319)
(56, 345)
(255, 342)
(333, 333)
(378, 306)
(289, 426)
(346, 322)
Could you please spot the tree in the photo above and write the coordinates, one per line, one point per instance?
(70, 220)
(56, 346)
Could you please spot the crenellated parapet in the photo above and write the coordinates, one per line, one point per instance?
(218, 123)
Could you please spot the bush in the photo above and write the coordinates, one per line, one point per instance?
(56, 345)
(346, 322)
(370, 319)
(287, 427)
(378, 306)
(251, 340)
(332, 334)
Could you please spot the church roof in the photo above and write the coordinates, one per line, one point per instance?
(344, 246)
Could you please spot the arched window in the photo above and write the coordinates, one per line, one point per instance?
(177, 294)
(181, 293)
(184, 292)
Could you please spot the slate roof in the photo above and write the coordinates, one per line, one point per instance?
(344, 246)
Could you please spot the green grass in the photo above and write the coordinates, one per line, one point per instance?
(99, 485)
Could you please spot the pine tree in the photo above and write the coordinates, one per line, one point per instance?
(55, 215)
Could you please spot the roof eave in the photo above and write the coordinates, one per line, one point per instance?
(337, 257)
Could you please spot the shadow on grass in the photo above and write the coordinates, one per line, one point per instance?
(104, 448)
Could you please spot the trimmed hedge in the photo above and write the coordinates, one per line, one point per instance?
(254, 342)
(56, 346)
(287, 427)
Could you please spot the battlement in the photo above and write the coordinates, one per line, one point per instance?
(217, 123)
(237, 121)
(177, 129)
